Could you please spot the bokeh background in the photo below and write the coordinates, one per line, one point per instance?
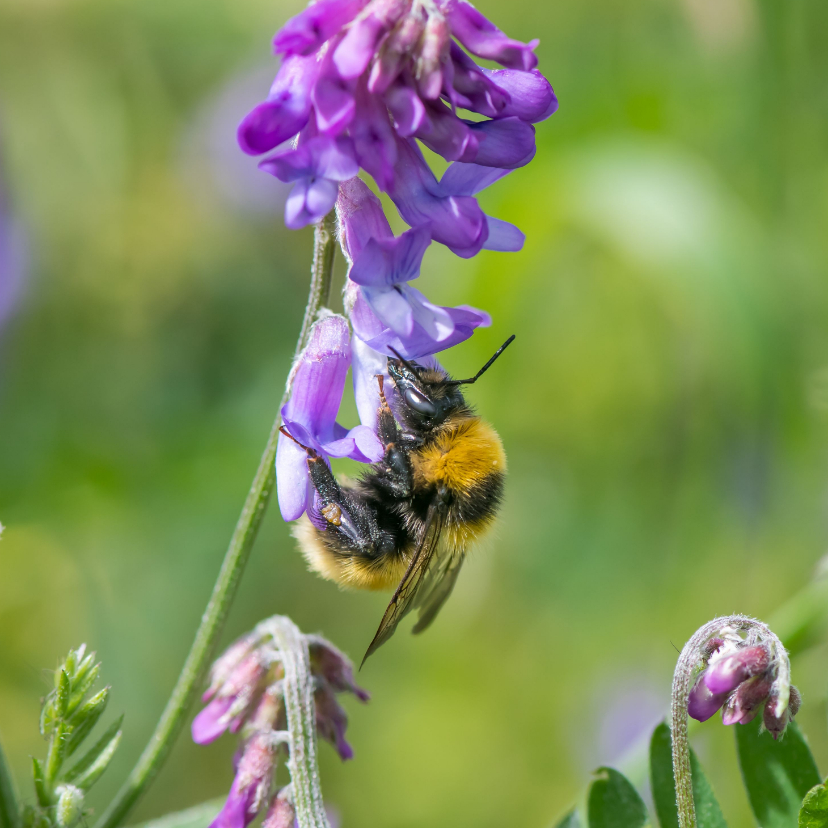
(664, 407)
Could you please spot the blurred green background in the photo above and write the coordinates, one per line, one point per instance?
(664, 407)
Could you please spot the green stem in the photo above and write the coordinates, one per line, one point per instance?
(9, 807)
(301, 718)
(238, 552)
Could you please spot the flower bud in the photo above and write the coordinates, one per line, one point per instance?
(727, 673)
(743, 705)
(334, 667)
(331, 721)
(281, 813)
(776, 725)
(702, 703)
(69, 807)
(228, 662)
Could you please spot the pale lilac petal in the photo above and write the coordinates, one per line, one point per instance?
(296, 215)
(365, 322)
(293, 487)
(321, 197)
(507, 143)
(368, 444)
(366, 364)
(210, 723)
(334, 158)
(391, 308)
(319, 379)
(375, 140)
(531, 97)
(361, 217)
(435, 320)
(469, 179)
(503, 236)
(285, 112)
(388, 262)
(481, 37)
(321, 20)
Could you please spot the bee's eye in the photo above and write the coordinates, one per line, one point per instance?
(414, 399)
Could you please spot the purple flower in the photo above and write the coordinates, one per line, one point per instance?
(702, 704)
(251, 786)
(316, 165)
(334, 667)
(386, 311)
(378, 71)
(331, 720)
(728, 672)
(318, 380)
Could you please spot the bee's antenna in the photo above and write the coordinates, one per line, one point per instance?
(486, 367)
(410, 365)
(287, 434)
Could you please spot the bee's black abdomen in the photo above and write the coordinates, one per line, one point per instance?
(481, 501)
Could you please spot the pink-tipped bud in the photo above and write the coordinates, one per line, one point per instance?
(727, 673)
(281, 813)
(334, 667)
(744, 704)
(776, 725)
(228, 662)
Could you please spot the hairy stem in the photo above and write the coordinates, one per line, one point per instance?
(9, 807)
(690, 660)
(238, 552)
(301, 719)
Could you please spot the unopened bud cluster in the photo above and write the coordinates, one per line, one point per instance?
(247, 695)
(742, 677)
(68, 715)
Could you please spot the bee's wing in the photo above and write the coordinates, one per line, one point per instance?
(415, 576)
(439, 589)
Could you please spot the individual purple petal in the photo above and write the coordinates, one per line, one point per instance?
(471, 89)
(321, 157)
(406, 109)
(725, 674)
(360, 443)
(361, 217)
(331, 721)
(457, 222)
(354, 52)
(286, 109)
(236, 812)
(319, 378)
(507, 143)
(394, 52)
(333, 100)
(444, 133)
(469, 179)
(503, 236)
(308, 30)
(334, 667)
(251, 785)
(309, 201)
(436, 321)
(481, 37)
(366, 364)
(392, 309)
(531, 97)
(211, 722)
(701, 703)
(374, 139)
(384, 262)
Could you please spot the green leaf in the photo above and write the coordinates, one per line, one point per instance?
(571, 820)
(814, 810)
(81, 685)
(708, 812)
(39, 777)
(62, 693)
(777, 775)
(88, 770)
(199, 816)
(85, 719)
(9, 806)
(613, 802)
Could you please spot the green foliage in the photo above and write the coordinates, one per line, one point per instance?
(9, 808)
(571, 820)
(708, 812)
(814, 810)
(67, 717)
(613, 802)
(777, 774)
(199, 816)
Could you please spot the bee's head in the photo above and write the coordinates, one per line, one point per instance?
(426, 398)
(429, 396)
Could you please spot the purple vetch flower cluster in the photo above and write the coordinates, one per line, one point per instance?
(362, 81)
(246, 695)
(739, 678)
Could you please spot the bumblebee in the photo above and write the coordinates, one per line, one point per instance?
(408, 522)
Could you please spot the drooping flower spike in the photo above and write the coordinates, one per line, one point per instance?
(314, 669)
(385, 71)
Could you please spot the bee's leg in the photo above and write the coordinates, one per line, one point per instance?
(350, 518)
(395, 473)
